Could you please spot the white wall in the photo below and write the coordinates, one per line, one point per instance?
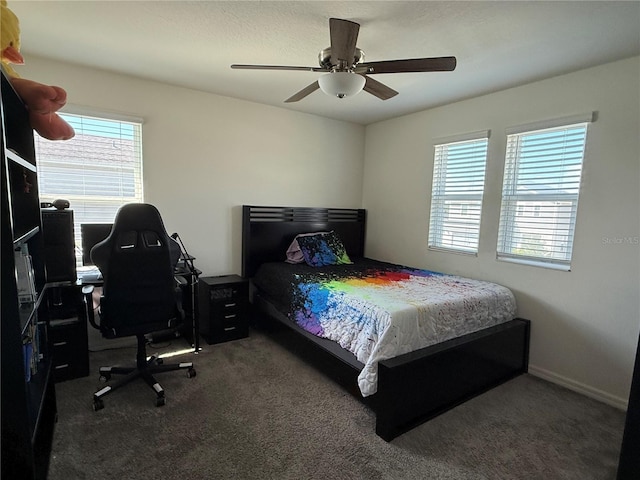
(584, 322)
(206, 155)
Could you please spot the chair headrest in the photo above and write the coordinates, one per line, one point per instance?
(138, 217)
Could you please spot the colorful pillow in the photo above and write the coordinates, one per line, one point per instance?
(294, 254)
(321, 250)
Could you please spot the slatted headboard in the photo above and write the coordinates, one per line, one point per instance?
(268, 231)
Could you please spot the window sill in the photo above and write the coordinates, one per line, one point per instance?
(535, 263)
(468, 253)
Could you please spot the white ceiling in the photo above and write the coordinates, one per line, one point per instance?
(498, 44)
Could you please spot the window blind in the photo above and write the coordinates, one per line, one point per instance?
(98, 170)
(542, 176)
(456, 197)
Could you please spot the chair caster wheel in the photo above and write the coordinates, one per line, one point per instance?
(98, 405)
(105, 377)
(191, 373)
(160, 401)
(159, 361)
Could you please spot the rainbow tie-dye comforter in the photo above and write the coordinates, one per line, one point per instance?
(378, 310)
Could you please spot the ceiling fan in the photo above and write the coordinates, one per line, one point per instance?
(346, 73)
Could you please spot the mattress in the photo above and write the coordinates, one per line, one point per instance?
(377, 310)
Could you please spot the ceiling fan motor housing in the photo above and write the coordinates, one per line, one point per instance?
(325, 61)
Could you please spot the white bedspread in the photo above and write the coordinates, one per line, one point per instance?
(384, 314)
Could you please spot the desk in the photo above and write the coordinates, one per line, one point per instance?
(190, 328)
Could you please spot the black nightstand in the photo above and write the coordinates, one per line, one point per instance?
(223, 308)
(68, 332)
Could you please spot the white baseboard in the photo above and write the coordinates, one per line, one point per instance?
(578, 387)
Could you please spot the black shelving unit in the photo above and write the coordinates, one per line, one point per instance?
(67, 331)
(28, 392)
(629, 467)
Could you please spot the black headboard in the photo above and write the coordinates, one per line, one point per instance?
(268, 231)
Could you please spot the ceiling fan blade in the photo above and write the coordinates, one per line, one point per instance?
(378, 89)
(436, 64)
(303, 93)
(344, 35)
(277, 67)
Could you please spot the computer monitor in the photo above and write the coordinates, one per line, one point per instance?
(92, 234)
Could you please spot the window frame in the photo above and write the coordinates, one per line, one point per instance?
(439, 196)
(515, 202)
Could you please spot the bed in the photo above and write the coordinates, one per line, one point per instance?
(412, 381)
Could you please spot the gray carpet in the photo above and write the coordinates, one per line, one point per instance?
(256, 411)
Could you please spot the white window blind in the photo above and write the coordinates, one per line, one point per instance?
(543, 170)
(456, 197)
(98, 170)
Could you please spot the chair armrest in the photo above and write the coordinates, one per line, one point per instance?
(87, 294)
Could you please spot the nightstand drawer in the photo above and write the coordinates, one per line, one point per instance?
(68, 361)
(233, 332)
(226, 293)
(228, 313)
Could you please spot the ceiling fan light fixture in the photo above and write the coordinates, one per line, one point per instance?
(341, 84)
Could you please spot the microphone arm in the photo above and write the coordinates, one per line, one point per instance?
(187, 258)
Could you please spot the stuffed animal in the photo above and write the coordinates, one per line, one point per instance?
(42, 101)
(10, 38)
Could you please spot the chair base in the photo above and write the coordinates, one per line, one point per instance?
(144, 369)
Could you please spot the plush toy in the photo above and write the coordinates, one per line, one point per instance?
(42, 101)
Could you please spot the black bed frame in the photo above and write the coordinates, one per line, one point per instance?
(414, 387)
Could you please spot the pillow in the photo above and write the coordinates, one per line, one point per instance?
(321, 250)
(294, 254)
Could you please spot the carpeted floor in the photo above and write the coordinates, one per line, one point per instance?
(256, 411)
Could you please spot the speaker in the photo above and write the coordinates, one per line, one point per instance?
(59, 245)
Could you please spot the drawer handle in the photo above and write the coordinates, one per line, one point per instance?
(228, 305)
(229, 329)
(230, 316)
(59, 344)
(64, 365)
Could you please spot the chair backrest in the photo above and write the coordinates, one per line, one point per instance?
(137, 262)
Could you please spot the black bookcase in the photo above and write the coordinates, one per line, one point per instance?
(629, 468)
(28, 392)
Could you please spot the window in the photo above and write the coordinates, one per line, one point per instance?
(543, 168)
(456, 197)
(98, 170)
